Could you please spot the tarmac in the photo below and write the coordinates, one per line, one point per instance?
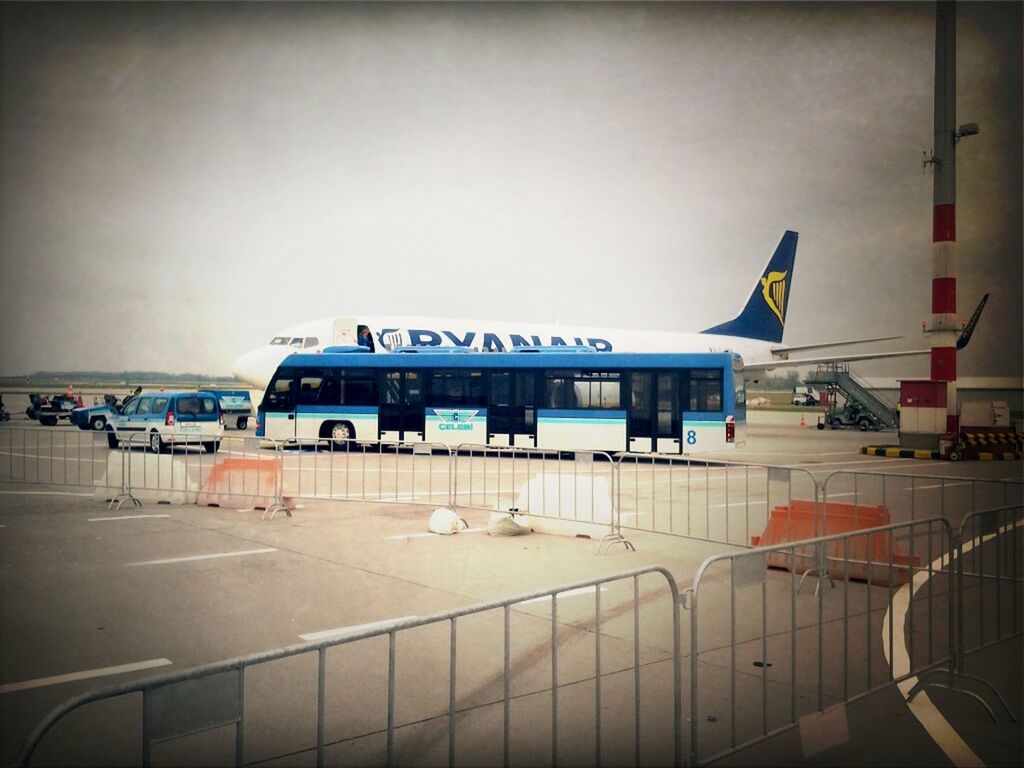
(92, 597)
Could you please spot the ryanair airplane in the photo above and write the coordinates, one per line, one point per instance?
(755, 334)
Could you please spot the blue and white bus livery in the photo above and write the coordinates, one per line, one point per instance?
(647, 403)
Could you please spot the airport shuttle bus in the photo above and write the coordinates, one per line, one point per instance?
(560, 399)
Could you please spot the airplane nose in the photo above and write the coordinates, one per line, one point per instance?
(249, 368)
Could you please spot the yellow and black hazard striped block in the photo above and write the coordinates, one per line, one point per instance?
(1000, 442)
(895, 452)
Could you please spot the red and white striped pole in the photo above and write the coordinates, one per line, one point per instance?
(944, 323)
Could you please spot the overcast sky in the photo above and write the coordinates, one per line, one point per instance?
(181, 181)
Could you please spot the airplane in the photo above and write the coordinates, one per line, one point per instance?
(755, 334)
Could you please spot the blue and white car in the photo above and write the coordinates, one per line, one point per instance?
(166, 418)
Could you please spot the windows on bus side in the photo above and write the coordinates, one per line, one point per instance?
(310, 388)
(704, 389)
(357, 387)
(450, 387)
(582, 389)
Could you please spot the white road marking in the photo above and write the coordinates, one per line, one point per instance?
(865, 462)
(42, 493)
(123, 517)
(739, 504)
(204, 557)
(343, 631)
(922, 707)
(431, 533)
(937, 485)
(40, 682)
(568, 593)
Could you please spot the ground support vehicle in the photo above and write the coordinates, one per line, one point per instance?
(97, 417)
(48, 409)
(235, 405)
(851, 415)
(558, 398)
(4, 413)
(191, 417)
(805, 396)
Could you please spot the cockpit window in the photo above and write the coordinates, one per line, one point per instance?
(279, 340)
(297, 342)
(311, 341)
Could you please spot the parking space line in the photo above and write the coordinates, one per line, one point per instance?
(40, 682)
(213, 556)
(122, 517)
(342, 631)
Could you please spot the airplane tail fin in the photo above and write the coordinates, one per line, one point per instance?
(764, 316)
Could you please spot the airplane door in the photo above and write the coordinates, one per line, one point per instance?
(344, 332)
(401, 412)
(511, 411)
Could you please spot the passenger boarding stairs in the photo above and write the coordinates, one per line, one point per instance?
(838, 377)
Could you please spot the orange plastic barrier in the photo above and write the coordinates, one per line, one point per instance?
(241, 483)
(859, 558)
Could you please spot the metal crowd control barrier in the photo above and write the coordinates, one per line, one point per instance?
(52, 456)
(910, 497)
(380, 471)
(743, 614)
(577, 487)
(185, 471)
(185, 703)
(990, 579)
(712, 501)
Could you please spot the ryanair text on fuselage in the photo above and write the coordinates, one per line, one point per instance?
(493, 342)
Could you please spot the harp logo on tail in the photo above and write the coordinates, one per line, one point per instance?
(773, 288)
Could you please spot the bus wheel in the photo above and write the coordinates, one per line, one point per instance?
(341, 434)
(243, 422)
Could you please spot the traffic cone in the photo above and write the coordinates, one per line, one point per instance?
(802, 422)
(81, 402)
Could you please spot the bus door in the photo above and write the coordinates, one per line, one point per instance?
(653, 424)
(511, 410)
(401, 406)
(278, 407)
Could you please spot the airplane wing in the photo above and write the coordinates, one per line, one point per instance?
(832, 359)
(786, 350)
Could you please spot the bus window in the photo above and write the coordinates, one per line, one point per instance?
(358, 388)
(413, 388)
(450, 387)
(279, 393)
(309, 388)
(597, 390)
(559, 391)
(704, 390)
(392, 387)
